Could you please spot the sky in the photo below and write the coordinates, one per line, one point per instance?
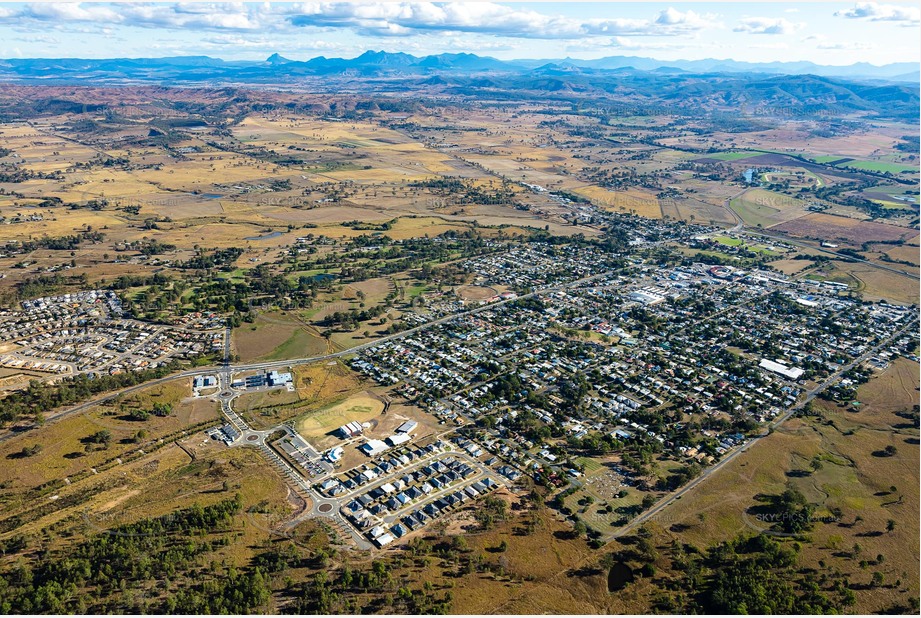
(834, 33)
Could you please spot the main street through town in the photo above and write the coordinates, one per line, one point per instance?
(226, 366)
(322, 506)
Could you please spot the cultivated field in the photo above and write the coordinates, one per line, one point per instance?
(820, 226)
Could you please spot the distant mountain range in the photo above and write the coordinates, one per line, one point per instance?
(800, 89)
(900, 71)
(380, 63)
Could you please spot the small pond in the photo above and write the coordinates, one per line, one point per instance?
(619, 576)
(263, 237)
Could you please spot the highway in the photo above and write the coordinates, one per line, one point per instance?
(740, 227)
(256, 439)
(810, 395)
(226, 368)
(592, 558)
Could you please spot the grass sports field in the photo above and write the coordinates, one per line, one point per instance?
(361, 407)
(763, 208)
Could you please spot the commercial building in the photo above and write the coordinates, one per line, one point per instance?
(407, 427)
(349, 430)
(398, 439)
(372, 448)
(275, 378)
(790, 372)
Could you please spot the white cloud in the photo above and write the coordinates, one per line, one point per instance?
(674, 19)
(462, 42)
(622, 43)
(846, 46)
(822, 41)
(767, 25)
(44, 39)
(67, 12)
(369, 18)
(873, 11)
(243, 41)
(485, 17)
(211, 16)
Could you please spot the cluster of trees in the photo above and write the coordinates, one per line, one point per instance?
(125, 282)
(230, 592)
(491, 511)
(103, 438)
(26, 451)
(14, 174)
(349, 320)
(57, 243)
(43, 285)
(756, 576)
(595, 443)
(365, 225)
(40, 397)
(680, 477)
(219, 258)
(92, 576)
(158, 409)
(465, 192)
(746, 575)
(149, 246)
(374, 590)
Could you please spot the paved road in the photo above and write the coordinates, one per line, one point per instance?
(728, 206)
(226, 367)
(842, 256)
(810, 395)
(740, 227)
(665, 502)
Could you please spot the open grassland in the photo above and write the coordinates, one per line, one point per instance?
(791, 267)
(904, 253)
(733, 156)
(194, 473)
(373, 290)
(852, 477)
(880, 166)
(633, 200)
(385, 155)
(68, 447)
(876, 284)
(728, 241)
(475, 292)
(531, 571)
(277, 336)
